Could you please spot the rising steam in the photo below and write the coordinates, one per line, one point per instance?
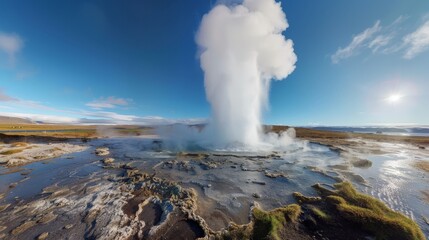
(241, 50)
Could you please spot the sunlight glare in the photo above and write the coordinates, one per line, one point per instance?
(394, 98)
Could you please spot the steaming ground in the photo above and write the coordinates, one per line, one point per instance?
(87, 193)
(190, 138)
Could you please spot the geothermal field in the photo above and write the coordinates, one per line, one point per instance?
(144, 187)
(98, 174)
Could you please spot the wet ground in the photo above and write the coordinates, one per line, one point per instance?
(226, 185)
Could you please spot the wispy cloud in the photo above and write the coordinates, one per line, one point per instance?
(9, 106)
(6, 98)
(356, 44)
(101, 118)
(379, 42)
(17, 102)
(10, 45)
(417, 42)
(109, 102)
(387, 40)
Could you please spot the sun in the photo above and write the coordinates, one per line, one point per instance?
(394, 98)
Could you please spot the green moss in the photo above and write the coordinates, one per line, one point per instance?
(320, 214)
(268, 225)
(370, 214)
(236, 232)
(304, 199)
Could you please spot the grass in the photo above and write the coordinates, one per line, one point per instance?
(269, 225)
(320, 214)
(369, 213)
(12, 151)
(265, 225)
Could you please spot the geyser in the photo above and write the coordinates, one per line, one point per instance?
(242, 49)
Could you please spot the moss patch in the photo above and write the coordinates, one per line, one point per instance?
(368, 213)
(269, 225)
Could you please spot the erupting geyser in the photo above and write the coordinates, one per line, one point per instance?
(241, 49)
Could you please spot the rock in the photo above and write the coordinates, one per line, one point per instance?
(257, 182)
(102, 151)
(47, 218)
(108, 160)
(425, 219)
(256, 195)
(208, 165)
(43, 236)
(25, 173)
(310, 222)
(23, 227)
(68, 226)
(3, 207)
(361, 163)
(275, 175)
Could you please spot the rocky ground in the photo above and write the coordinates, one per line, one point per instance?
(206, 195)
(21, 153)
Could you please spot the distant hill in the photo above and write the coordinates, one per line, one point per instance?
(13, 120)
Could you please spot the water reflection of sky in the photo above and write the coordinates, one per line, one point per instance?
(396, 182)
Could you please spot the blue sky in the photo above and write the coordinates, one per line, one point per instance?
(359, 63)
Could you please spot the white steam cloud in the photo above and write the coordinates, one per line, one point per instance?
(242, 49)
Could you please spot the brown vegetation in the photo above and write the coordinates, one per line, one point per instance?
(422, 165)
(332, 137)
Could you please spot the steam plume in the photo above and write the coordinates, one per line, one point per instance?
(242, 50)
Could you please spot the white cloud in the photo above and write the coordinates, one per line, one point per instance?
(379, 42)
(387, 40)
(109, 102)
(417, 41)
(10, 44)
(356, 44)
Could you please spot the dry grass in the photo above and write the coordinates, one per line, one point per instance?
(422, 165)
(12, 151)
(43, 127)
(73, 131)
(333, 137)
(19, 144)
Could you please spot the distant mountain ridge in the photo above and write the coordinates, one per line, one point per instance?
(14, 120)
(403, 129)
